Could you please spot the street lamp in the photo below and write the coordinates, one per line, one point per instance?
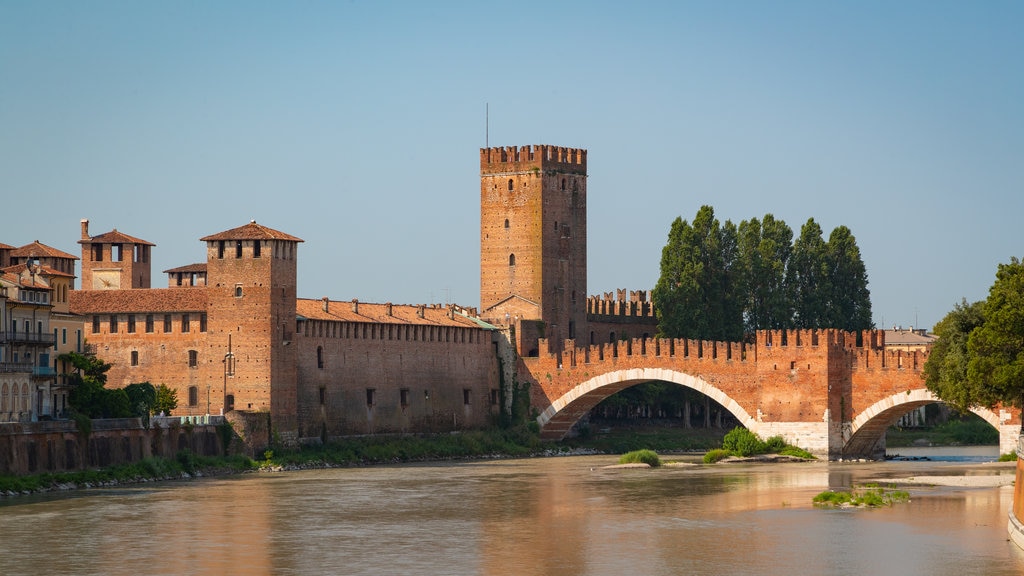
(229, 370)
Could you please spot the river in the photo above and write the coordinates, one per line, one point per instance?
(558, 516)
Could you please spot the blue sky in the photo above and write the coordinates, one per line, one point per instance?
(357, 125)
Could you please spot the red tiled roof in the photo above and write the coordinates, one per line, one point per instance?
(5, 246)
(16, 278)
(377, 313)
(251, 231)
(115, 237)
(138, 300)
(38, 249)
(43, 270)
(199, 267)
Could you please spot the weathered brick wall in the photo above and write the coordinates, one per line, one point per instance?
(58, 446)
(533, 237)
(439, 372)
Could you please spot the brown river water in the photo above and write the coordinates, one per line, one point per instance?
(558, 516)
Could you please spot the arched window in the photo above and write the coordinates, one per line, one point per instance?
(320, 357)
(511, 186)
(563, 183)
(193, 358)
(193, 395)
(511, 259)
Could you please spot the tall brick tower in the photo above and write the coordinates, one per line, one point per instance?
(533, 241)
(114, 261)
(251, 287)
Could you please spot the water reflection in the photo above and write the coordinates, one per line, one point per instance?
(532, 517)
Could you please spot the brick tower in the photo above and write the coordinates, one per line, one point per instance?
(533, 242)
(114, 261)
(251, 288)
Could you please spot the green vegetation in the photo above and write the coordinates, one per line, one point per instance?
(1008, 457)
(978, 359)
(89, 398)
(720, 282)
(743, 443)
(648, 457)
(871, 496)
(969, 430)
(148, 469)
(620, 439)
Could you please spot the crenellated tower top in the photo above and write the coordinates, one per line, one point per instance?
(513, 159)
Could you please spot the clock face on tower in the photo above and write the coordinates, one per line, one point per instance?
(106, 280)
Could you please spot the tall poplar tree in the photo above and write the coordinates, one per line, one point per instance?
(697, 292)
(764, 250)
(807, 277)
(849, 300)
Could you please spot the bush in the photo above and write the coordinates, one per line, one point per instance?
(715, 455)
(743, 442)
(648, 457)
(1008, 457)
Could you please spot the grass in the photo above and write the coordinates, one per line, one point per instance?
(663, 439)
(870, 496)
(971, 430)
(649, 457)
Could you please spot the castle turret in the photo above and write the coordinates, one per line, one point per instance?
(114, 261)
(533, 239)
(251, 284)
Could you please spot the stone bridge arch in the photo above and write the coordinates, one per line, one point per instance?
(863, 437)
(563, 413)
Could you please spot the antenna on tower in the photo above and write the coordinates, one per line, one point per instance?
(487, 125)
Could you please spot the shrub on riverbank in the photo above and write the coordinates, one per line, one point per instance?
(648, 457)
(743, 443)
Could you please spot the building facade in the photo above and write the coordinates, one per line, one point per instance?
(231, 333)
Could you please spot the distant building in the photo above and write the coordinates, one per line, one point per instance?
(909, 339)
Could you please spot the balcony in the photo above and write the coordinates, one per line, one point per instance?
(43, 372)
(46, 339)
(13, 367)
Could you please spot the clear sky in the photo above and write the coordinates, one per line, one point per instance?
(356, 126)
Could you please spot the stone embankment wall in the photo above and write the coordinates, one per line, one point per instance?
(1016, 524)
(58, 446)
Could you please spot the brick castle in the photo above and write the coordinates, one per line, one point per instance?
(231, 335)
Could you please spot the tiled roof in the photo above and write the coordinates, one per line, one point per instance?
(43, 270)
(251, 231)
(198, 267)
(5, 246)
(23, 281)
(38, 249)
(377, 313)
(908, 338)
(115, 237)
(138, 300)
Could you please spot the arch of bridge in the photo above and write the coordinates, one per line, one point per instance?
(869, 426)
(591, 391)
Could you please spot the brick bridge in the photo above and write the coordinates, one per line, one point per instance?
(831, 392)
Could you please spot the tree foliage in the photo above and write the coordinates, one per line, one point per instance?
(945, 371)
(979, 357)
(166, 400)
(721, 281)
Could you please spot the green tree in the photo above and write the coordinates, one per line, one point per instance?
(141, 398)
(764, 250)
(996, 347)
(807, 278)
(166, 400)
(88, 395)
(945, 371)
(848, 305)
(698, 293)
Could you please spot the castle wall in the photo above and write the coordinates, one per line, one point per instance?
(363, 378)
(58, 446)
